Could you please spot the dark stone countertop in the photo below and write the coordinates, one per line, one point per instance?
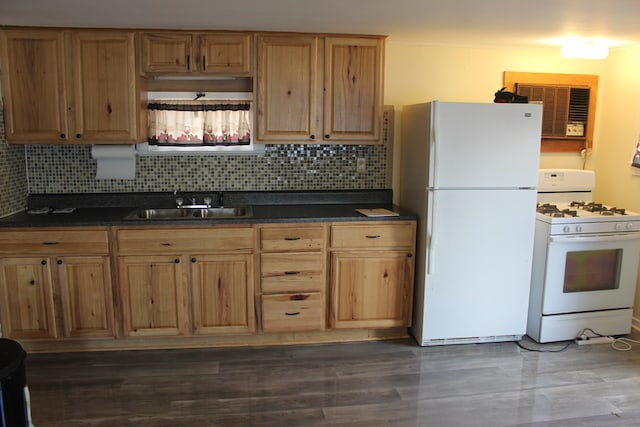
(110, 209)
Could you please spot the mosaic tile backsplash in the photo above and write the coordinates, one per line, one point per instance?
(13, 174)
(70, 169)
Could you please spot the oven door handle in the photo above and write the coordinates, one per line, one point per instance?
(595, 238)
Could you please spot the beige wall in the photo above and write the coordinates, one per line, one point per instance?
(419, 73)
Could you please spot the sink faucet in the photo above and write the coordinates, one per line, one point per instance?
(193, 202)
(220, 204)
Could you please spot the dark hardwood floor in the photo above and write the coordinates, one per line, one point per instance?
(381, 383)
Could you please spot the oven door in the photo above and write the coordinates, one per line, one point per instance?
(590, 272)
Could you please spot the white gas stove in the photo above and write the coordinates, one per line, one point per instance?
(585, 260)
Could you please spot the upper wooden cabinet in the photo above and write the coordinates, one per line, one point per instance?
(319, 89)
(205, 53)
(70, 86)
(104, 87)
(33, 76)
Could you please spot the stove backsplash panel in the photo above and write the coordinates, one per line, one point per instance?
(70, 169)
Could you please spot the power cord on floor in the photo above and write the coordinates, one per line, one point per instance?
(623, 344)
(618, 344)
(545, 349)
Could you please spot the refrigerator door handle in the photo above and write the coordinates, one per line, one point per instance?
(433, 155)
(431, 226)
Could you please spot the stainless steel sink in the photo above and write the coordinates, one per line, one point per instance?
(189, 213)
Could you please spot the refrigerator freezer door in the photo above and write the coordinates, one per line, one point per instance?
(479, 257)
(483, 145)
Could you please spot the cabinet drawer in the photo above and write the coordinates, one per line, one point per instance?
(297, 272)
(59, 242)
(292, 312)
(291, 238)
(187, 240)
(372, 236)
(293, 282)
(280, 264)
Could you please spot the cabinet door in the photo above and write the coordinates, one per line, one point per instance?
(153, 295)
(225, 54)
(353, 89)
(104, 83)
(85, 290)
(33, 69)
(288, 91)
(26, 298)
(371, 289)
(167, 52)
(222, 293)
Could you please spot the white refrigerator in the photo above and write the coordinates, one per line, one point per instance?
(470, 171)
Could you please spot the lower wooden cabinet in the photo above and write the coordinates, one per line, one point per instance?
(222, 294)
(293, 277)
(197, 285)
(26, 300)
(371, 290)
(372, 270)
(152, 290)
(189, 282)
(58, 284)
(86, 296)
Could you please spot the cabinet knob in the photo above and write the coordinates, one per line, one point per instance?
(43, 262)
(59, 262)
(194, 260)
(409, 255)
(327, 136)
(177, 260)
(63, 136)
(312, 137)
(78, 135)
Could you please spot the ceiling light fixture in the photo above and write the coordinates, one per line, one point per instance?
(581, 49)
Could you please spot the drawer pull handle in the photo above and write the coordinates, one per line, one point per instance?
(292, 314)
(291, 238)
(299, 297)
(50, 243)
(291, 273)
(371, 236)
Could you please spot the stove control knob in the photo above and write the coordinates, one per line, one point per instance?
(578, 228)
(566, 229)
(619, 226)
(631, 226)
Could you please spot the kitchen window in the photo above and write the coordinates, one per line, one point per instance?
(199, 124)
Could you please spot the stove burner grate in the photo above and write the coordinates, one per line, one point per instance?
(555, 212)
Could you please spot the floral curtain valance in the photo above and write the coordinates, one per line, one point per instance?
(197, 123)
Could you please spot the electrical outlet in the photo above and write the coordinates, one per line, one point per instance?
(361, 164)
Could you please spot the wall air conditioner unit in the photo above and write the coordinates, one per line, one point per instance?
(565, 109)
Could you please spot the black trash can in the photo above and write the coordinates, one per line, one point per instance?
(14, 408)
